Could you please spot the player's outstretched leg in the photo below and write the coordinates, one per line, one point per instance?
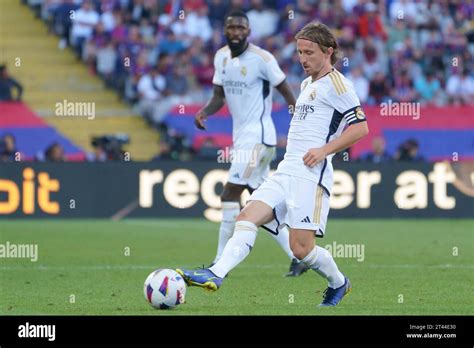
(322, 262)
(236, 249)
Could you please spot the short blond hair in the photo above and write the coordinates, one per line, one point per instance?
(322, 35)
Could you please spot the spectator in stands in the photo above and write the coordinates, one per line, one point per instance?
(138, 10)
(370, 23)
(403, 9)
(263, 20)
(62, 21)
(397, 33)
(54, 153)
(170, 44)
(371, 62)
(361, 84)
(106, 61)
(379, 89)
(7, 83)
(217, 12)
(408, 151)
(195, 24)
(429, 88)
(208, 150)
(8, 150)
(178, 80)
(204, 70)
(378, 153)
(99, 40)
(83, 23)
(164, 152)
(99, 154)
(147, 31)
(404, 91)
(460, 88)
(119, 31)
(151, 88)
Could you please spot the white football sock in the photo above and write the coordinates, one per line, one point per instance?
(230, 210)
(236, 249)
(321, 261)
(282, 238)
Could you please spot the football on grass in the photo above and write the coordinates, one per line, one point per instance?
(164, 289)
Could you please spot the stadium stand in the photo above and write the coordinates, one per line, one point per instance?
(50, 76)
(398, 50)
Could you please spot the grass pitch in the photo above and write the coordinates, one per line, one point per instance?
(97, 267)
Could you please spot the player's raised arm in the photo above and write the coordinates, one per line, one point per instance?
(217, 101)
(285, 91)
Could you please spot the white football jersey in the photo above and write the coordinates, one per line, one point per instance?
(247, 81)
(323, 109)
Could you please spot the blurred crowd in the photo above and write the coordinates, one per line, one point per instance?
(10, 153)
(159, 53)
(162, 50)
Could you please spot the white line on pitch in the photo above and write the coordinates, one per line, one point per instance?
(267, 266)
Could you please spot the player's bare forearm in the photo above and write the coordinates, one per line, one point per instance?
(216, 102)
(285, 90)
(348, 138)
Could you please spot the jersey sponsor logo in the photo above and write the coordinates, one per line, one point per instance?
(302, 110)
(234, 87)
(232, 83)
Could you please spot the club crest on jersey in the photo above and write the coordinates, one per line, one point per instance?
(243, 71)
(359, 113)
(312, 96)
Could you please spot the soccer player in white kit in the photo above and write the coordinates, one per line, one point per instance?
(244, 78)
(327, 104)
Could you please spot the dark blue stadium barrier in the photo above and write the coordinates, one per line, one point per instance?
(191, 189)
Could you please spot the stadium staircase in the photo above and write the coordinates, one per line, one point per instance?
(50, 75)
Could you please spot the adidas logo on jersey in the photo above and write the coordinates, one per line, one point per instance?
(236, 175)
(306, 219)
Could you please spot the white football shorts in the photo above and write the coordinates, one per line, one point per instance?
(296, 202)
(250, 165)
